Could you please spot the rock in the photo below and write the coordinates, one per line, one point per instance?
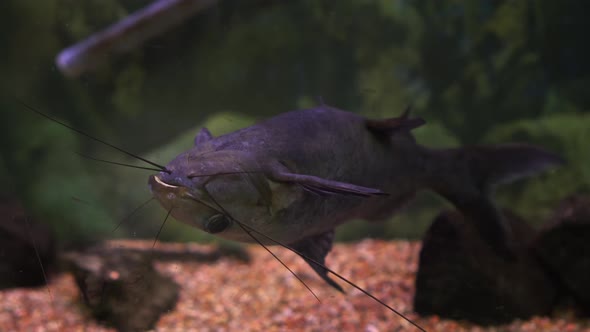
(121, 287)
(460, 277)
(563, 245)
(27, 247)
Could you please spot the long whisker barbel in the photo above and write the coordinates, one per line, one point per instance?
(33, 242)
(117, 163)
(161, 227)
(192, 176)
(132, 213)
(279, 260)
(34, 110)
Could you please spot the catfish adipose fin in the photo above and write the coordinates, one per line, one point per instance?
(394, 125)
(317, 247)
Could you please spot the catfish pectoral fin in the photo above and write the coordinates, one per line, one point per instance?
(317, 247)
(324, 186)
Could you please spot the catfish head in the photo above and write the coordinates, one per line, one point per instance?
(215, 190)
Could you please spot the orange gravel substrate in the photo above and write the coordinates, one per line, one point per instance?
(264, 296)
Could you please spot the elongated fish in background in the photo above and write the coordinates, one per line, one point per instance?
(292, 179)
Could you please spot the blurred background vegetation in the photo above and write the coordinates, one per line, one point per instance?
(479, 71)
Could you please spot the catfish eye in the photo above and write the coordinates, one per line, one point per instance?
(217, 223)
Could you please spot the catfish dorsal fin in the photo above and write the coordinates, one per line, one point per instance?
(203, 136)
(393, 125)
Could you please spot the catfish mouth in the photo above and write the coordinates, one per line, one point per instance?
(183, 202)
(157, 186)
(166, 192)
(155, 182)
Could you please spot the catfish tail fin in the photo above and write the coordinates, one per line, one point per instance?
(467, 176)
(490, 165)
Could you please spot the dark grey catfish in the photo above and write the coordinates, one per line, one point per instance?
(297, 176)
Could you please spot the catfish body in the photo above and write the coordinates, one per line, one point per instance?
(297, 176)
(323, 142)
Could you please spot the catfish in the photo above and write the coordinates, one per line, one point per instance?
(292, 179)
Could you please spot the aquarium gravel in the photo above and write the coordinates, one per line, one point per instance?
(229, 295)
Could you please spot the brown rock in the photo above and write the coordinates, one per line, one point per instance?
(460, 277)
(121, 287)
(563, 246)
